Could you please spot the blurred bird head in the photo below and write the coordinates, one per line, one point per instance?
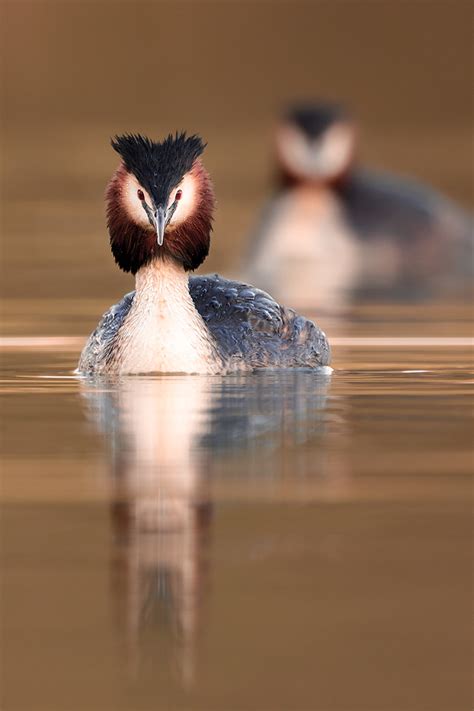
(160, 201)
(315, 143)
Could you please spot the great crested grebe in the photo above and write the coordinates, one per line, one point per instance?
(160, 204)
(333, 231)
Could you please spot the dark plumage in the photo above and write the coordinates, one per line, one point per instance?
(432, 235)
(250, 328)
(158, 166)
(314, 119)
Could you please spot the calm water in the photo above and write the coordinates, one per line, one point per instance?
(272, 541)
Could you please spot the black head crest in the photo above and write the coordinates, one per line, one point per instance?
(158, 166)
(314, 118)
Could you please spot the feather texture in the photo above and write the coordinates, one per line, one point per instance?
(250, 328)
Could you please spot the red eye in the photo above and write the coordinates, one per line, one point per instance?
(141, 195)
(179, 195)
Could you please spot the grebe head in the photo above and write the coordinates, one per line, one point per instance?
(315, 142)
(160, 202)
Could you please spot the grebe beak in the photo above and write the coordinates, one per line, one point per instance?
(160, 224)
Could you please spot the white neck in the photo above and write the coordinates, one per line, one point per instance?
(163, 332)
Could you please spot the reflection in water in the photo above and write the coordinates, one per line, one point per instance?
(165, 439)
(322, 577)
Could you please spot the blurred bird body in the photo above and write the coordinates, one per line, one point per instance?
(160, 203)
(333, 231)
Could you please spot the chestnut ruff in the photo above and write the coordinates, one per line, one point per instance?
(133, 245)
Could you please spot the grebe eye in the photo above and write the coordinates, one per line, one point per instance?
(179, 195)
(141, 195)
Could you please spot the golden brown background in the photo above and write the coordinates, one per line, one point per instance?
(74, 73)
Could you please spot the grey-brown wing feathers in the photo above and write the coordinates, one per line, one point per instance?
(248, 324)
(97, 348)
(249, 327)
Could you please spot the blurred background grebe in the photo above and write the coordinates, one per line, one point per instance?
(271, 541)
(333, 233)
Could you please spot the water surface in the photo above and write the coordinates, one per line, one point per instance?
(280, 540)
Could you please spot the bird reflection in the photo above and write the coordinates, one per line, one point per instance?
(170, 438)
